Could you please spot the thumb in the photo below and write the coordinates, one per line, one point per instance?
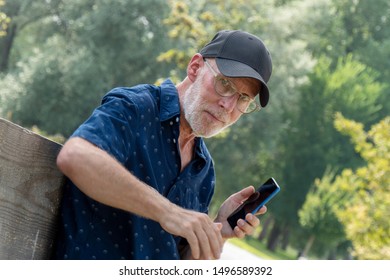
(242, 195)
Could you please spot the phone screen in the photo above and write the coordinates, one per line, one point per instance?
(257, 200)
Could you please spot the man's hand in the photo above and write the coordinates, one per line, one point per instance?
(244, 227)
(202, 234)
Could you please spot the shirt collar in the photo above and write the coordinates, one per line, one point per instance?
(169, 101)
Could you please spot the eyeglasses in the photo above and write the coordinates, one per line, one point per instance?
(226, 88)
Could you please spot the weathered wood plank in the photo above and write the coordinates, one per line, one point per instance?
(30, 191)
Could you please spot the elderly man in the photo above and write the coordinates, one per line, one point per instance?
(140, 176)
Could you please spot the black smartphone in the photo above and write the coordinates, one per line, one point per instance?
(257, 200)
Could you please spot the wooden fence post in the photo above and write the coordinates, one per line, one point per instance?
(30, 193)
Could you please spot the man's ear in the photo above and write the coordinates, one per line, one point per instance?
(194, 66)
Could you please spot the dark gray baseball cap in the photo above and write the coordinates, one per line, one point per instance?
(241, 54)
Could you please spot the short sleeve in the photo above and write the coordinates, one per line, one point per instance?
(111, 127)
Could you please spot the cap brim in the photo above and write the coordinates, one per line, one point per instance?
(235, 69)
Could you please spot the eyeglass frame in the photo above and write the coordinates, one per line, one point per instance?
(234, 90)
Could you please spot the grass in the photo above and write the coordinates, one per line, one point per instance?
(256, 247)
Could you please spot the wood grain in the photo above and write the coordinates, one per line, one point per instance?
(30, 192)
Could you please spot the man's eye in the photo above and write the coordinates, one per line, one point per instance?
(245, 98)
(226, 83)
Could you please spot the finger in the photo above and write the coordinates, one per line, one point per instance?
(194, 245)
(214, 240)
(217, 240)
(220, 226)
(242, 195)
(252, 220)
(245, 227)
(262, 210)
(205, 242)
(238, 232)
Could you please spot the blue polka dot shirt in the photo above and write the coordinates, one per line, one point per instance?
(139, 126)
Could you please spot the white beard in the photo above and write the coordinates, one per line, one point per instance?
(195, 107)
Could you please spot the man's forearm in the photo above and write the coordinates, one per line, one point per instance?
(104, 179)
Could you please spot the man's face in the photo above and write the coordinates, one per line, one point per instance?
(207, 112)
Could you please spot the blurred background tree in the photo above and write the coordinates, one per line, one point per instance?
(354, 205)
(4, 20)
(65, 56)
(365, 215)
(58, 59)
(311, 143)
(317, 216)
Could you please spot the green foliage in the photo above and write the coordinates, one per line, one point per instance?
(365, 215)
(56, 137)
(311, 143)
(4, 20)
(79, 53)
(337, 28)
(355, 204)
(368, 35)
(351, 88)
(317, 215)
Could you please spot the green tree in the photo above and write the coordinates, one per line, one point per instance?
(368, 35)
(317, 216)
(310, 143)
(23, 13)
(355, 204)
(4, 21)
(78, 53)
(337, 28)
(365, 214)
(332, 29)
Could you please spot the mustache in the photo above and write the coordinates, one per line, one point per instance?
(220, 115)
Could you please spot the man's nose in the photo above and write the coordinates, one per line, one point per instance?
(229, 102)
